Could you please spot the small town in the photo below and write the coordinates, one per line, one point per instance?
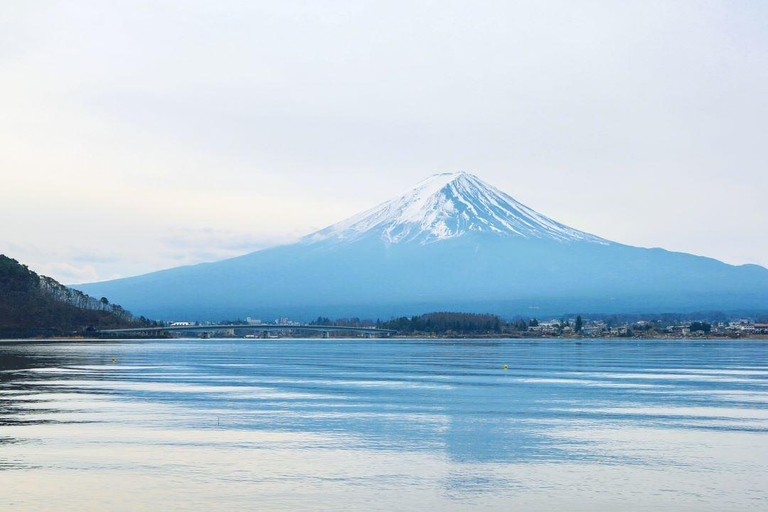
(648, 329)
(464, 325)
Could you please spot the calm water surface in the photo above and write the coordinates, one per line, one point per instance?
(384, 425)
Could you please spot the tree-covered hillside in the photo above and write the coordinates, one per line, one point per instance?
(35, 305)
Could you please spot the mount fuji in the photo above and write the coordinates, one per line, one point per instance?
(452, 243)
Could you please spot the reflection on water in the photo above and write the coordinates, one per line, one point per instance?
(384, 425)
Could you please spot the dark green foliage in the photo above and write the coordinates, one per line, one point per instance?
(579, 324)
(701, 327)
(441, 323)
(35, 305)
(519, 325)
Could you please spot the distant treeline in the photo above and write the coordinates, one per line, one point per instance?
(444, 322)
(430, 323)
(35, 305)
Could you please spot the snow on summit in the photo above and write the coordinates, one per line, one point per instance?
(446, 206)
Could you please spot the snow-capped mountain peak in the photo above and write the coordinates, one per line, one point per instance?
(446, 206)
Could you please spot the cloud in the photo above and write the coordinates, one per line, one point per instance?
(68, 273)
(220, 239)
(94, 256)
(197, 245)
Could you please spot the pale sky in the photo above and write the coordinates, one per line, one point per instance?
(141, 135)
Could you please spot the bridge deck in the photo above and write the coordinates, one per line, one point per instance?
(255, 327)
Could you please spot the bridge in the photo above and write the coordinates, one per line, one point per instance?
(251, 327)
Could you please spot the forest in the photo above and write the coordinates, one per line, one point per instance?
(33, 305)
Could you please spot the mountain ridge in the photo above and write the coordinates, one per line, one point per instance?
(451, 243)
(37, 305)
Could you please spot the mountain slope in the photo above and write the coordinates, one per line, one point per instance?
(451, 243)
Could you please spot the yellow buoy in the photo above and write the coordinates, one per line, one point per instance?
(506, 367)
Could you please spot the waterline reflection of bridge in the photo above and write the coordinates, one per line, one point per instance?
(262, 328)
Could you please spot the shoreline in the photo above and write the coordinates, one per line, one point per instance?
(76, 339)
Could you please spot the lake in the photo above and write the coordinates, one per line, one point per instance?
(384, 424)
